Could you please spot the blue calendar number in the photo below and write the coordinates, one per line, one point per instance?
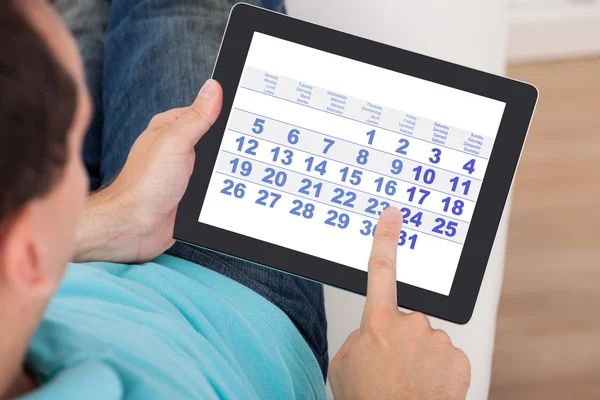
(428, 174)
(252, 145)
(470, 166)
(412, 194)
(285, 159)
(457, 209)
(415, 219)
(362, 156)
(403, 146)
(355, 176)
(320, 167)
(328, 144)
(308, 187)
(264, 195)
(301, 209)
(275, 177)
(466, 185)
(340, 220)
(294, 136)
(450, 227)
(396, 166)
(258, 126)
(412, 240)
(368, 228)
(389, 187)
(245, 166)
(232, 189)
(436, 156)
(340, 194)
(374, 204)
(371, 135)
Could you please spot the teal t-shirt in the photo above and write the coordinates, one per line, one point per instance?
(168, 329)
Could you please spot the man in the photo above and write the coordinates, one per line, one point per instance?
(170, 328)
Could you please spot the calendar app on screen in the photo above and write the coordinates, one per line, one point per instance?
(318, 145)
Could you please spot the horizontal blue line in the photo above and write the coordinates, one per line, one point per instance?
(347, 187)
(329, 205)
(331, 159)
(361, 122)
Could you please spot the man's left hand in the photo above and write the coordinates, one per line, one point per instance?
(132, 220)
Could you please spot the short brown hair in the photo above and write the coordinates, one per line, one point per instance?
(38, 98)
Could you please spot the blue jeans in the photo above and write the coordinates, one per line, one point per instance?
(143, 57)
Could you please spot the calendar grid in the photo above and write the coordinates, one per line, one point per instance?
(348, 187)
(315, 179)
(361, 122)
(332, 206)
(370, 147)
(363, 168)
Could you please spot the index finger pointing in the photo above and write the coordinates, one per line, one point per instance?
(381, 285)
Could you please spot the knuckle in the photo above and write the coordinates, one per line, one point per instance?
(441, 337)
(335, 364)
(353, 335)
(461, 367)
(154, 119)
(381, 263)
(386, 232)
(200, 118)
(463, 362)
(418, 321)
(157, 119)
(198, 114)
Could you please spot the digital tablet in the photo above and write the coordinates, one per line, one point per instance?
(321, 130)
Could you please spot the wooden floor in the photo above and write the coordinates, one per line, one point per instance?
(548, 334)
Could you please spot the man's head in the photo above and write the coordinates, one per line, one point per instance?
(44, 112)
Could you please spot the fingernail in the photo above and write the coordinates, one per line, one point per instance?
(391, 214)
(209, 89)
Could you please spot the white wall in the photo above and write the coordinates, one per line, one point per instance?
(468, 32)
(554, 29)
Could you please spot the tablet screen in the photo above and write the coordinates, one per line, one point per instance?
(317, 145)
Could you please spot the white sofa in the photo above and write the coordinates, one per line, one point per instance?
(467, 32)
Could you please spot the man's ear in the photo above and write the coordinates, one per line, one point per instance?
(21, 264)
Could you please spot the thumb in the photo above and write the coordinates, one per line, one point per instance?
(197, 119)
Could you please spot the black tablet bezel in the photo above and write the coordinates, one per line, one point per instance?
(520, 99)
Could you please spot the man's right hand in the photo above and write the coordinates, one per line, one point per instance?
(394, 355)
